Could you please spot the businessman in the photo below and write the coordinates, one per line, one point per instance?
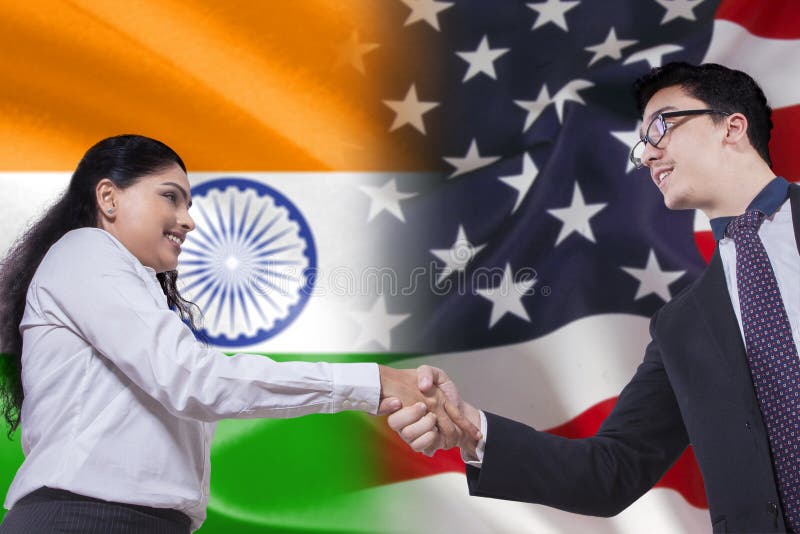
(721, 371)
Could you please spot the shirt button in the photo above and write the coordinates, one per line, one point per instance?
(347, 404)
(205, 489)
(364, 405)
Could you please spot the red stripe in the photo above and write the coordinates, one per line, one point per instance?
(785, 141)
(400, 463)
(705, 243)
(776, 19)
(684, 476)
(783, 147)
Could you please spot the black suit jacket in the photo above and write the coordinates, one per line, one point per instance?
(694, 386)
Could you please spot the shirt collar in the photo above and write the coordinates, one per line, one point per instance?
(767, 201)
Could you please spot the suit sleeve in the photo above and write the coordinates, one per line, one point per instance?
(600, 475)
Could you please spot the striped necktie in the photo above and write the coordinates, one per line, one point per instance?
(772, 355)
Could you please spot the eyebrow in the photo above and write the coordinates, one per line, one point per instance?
(182, 190)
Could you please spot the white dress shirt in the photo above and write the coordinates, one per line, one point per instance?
(777, 234)
(121, 401)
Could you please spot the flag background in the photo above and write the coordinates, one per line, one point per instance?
(295, 95)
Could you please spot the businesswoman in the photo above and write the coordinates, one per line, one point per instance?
(116, 399)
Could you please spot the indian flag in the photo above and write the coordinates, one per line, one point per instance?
(351, 164)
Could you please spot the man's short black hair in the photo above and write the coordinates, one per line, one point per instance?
(720, 88)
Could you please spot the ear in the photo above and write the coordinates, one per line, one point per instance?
(737, 128)
(106, 193)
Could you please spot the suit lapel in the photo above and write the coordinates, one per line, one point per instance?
(794, 198)
(714, 302)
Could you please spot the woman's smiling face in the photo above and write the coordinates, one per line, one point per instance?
(151, 217)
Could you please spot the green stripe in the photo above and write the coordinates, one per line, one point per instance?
(306, 474)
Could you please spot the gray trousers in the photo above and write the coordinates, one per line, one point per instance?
(49, 510)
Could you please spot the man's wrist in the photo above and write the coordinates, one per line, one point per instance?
(468, 444)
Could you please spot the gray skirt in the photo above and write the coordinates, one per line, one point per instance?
(48, 510)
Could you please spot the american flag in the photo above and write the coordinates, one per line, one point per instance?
(539, 252)
(478, 149)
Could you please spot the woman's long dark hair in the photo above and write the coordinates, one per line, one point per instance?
(123, 159)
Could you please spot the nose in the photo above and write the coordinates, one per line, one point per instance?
(651, 154)
(186, 221)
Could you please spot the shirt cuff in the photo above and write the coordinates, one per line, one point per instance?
(356, 386)
(477, 461)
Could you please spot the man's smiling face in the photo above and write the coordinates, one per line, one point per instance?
(683, 164)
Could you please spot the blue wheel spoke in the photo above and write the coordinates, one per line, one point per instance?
(231, 218)
(271, 239)
(277, 250)
(197, 272)
(269, 225)
(256, 220)
(222, 298)
(210, 224)
(208, 241)
(220, 219)
(271, 285)
(256, 306)
(244, 308)
(245, 213)
(209, 283)
(278, 274)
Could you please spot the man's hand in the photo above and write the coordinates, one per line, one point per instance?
(423, 430)
(403, 384)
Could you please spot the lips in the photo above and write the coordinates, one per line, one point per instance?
(174, 238)
(660, 175)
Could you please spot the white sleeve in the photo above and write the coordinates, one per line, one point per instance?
(479, 448)
(97, 290)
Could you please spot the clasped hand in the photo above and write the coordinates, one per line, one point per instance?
(427, 411)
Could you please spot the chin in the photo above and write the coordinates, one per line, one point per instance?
(677, 201)
(165, 267)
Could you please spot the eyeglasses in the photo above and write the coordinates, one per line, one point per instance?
(659, 127)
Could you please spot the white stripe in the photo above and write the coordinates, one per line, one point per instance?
(335, 209)
(441, 503)
(773, 63)
(25, 196)
(551, 379)
(701, 222)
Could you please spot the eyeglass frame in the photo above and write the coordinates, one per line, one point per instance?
(666, 115)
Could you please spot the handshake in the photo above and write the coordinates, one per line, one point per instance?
(425, 409)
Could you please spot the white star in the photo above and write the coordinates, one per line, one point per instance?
(507, 297)
(352, 52)
(552, 11)
(654, 56)
(678, 9)
(576, 216)
(628, 138)
(522, 182)
(534, 107)
(410, 110)
(652, 279)
(473, 160)
(427, 10)
(569, 92)
(377, 324)
(611, 47)
(482, 59)
(457, 257)
(385, 198)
